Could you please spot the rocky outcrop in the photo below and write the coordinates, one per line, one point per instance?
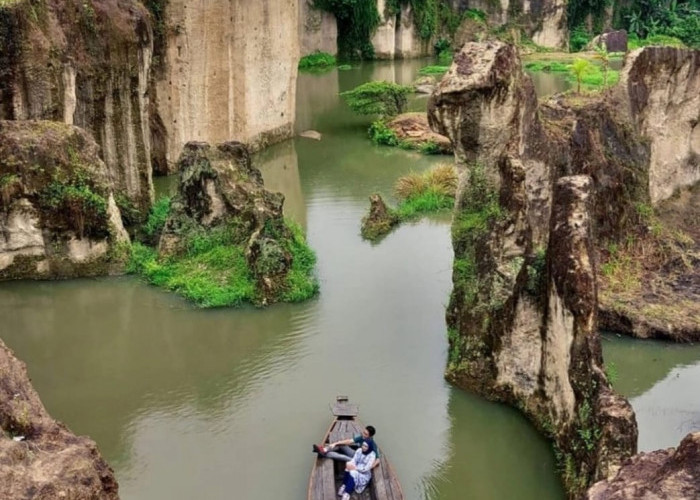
(663, 474)
(523, 311)
(85, 63)
(318, 29)
(380, 219)
(230, 71)
(413, 128)
(58, 216)
(39, 457)
(660, 87)
(221, 191)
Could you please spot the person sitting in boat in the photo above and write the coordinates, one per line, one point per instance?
(343, 450)
(358, 471)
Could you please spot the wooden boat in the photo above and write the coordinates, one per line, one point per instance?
(327, 474)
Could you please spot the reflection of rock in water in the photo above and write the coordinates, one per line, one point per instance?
(280, 169)
(316, 94)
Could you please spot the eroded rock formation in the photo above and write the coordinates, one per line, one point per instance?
(220, 190)
(230, 71)
(663, 474)
(523, 311)
(39, 457)
(597, 136)
(58, 216)
(661, 87)
(380, 219)
(85, 63)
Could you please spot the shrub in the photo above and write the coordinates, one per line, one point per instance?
(579, 37)
(385, 99)
(157, 217)
(317, 60)
(382, 135)
(441, 180)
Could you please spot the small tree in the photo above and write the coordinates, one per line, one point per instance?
(579, 68)
(385, 99)
(601, 53)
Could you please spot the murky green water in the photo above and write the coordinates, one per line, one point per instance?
(223, 404)
(661, 381)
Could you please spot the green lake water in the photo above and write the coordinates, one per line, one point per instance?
(225, 404)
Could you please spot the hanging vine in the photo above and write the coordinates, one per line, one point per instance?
(357, 20)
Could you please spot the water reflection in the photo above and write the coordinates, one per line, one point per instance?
(660, 378)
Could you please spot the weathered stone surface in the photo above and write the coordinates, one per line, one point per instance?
(58, 217)
(230, 72)
(660, 87)
(414, 128)
(543, 21)
(219, 187)
(663, 474)
(487, 114)
(396, 36)
(84, 63)
(380, 219)
(318, 29)
(524, 303)
(47, 461)
(613, 41)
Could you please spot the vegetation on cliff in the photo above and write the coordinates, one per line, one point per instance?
(357, 20)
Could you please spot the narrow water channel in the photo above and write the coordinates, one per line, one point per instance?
(225, 403)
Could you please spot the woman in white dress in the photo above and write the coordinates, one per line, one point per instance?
(358, 471)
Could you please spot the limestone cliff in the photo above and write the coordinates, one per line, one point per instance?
(230, 71)
(543, 21)
(318, 29)
(523, 311)
(396, 36)
(58, 216)
(39, 457)
(661, 86)
(85, 63)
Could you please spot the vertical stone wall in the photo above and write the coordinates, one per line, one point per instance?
(318, 30)
(85, 63)
(230, 72)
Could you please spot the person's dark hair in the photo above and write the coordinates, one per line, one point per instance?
(371, 430)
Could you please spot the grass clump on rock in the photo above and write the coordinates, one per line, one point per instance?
(222, 240)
